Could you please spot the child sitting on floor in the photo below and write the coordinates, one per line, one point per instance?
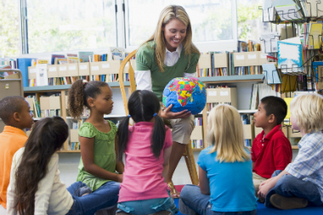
(225, 170)
(16, 115)
(35, 186)
(147, 146)
(270, 150)
(302, 180)
(98, 167)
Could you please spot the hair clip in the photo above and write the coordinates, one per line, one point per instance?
(155, 114)
(129, 115)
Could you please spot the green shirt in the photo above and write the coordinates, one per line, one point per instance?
(145, 60)
(104, 153)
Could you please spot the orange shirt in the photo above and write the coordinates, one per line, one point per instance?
(11, 139)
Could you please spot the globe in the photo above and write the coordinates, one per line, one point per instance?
(185, 94)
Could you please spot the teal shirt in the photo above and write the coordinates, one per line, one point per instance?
(104, 153)
(145, 60)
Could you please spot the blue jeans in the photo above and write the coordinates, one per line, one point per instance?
(290, 186)
(148, 206)
(105, 196)
(194, 200)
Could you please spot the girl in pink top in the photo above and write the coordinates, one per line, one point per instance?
(147, 148)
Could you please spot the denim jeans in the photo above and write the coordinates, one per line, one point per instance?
(290, 186)
(194, 200)
(105, 196)
(148, 206)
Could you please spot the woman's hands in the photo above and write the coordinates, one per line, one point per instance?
(168, 114)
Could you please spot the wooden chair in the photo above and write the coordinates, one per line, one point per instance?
(188, 154)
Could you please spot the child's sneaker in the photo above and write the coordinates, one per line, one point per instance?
(285, 203)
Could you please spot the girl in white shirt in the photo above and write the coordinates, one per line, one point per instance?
(35, 187)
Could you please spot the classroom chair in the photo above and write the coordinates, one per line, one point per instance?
(188, 154)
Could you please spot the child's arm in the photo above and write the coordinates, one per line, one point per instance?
(166, 161)
(11, 195)
(87, 145)
(119, 165)
(204, 182)
(269, 184)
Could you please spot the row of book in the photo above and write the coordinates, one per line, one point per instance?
(246, 61)
(45, 106)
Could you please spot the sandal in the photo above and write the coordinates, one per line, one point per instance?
(173, 191)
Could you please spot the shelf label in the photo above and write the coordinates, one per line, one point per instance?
(263, 56)
(224, 93)
(94, 68)
(71, 67)
(62, 68)
(52, 69)
(83, 67)
(239, 57)
(211, 93)
(252, 56)
(105, 66)
(33, 70)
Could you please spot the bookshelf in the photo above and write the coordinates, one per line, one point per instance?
(42, 94)
(230, 95)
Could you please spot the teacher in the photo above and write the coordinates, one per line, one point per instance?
(167, 54)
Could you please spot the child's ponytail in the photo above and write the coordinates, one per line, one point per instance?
(76, 98)
(122, 137)
(158, 136)
(79, 93)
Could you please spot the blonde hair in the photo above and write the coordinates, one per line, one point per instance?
(168, 13)
(308, 112)
(226, 134)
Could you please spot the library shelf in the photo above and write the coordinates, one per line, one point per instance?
(232, 79)
(50, 88)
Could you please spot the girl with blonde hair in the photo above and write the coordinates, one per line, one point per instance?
(167, 54)
(301, 183)
(225, 170)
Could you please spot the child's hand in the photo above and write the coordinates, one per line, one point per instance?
(119, 178)
(265, 186)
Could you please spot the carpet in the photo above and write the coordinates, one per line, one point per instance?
(262, 210)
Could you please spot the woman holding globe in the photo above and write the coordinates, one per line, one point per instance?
(167, 54)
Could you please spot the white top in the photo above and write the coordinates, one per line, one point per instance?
(143, 78)
(51, 197)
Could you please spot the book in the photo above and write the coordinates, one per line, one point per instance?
(85, 56)
(23, 64)
(117, 53)
(290, 55)
(314, 35)
(56, 56)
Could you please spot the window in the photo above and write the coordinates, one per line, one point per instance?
(64, 25)
(9, 28)
(212, 20)
(250, 25)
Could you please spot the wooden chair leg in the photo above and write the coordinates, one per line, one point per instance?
(190, 163)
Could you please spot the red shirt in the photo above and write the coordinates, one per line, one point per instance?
(273, 152)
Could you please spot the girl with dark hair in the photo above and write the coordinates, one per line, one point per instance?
(147, 149)
(98, 163)
(35, 187)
